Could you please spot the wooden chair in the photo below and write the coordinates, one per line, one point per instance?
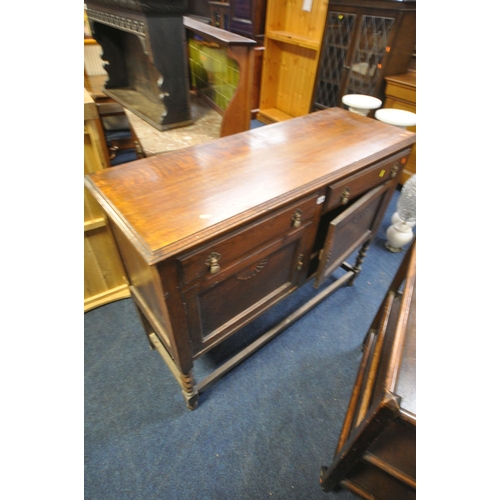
(122, 141)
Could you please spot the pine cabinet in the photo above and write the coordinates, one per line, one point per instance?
(363, 43)
(294, 29)
(401, 93)
(104, 277)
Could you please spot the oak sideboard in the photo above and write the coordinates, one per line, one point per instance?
(211, 236)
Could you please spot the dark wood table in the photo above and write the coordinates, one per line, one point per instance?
(212, 236)
(376, 452)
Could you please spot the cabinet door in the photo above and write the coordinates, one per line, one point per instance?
(371, 46)
(354, 47)
(351, 228)
(219, 14)
(248, 18)
(224, 302)
(339, 31)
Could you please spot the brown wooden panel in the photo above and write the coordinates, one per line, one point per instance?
(377, 484)
(262, 277)
(235, 245)
(146, 282)
(228, 300)
(407, 378)
(248, 17)
(396, 447)
(223, 183)
(353, 186)
(351, 228)
(401, 93)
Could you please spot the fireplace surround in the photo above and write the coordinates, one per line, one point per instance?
(144, 55)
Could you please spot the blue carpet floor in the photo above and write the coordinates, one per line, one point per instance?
(262, 432)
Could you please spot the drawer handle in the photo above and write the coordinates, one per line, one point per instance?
(394, 171)
(300, 262)
(296, 218)
(213, 262)
(344, 197)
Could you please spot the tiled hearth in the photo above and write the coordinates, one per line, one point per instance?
(206, 127)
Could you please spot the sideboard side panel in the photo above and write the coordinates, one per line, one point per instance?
(146, 283)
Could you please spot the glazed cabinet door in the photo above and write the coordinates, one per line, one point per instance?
(339, 31)
(351, 228)
(354, 48)
(360, 47)
(363, 73)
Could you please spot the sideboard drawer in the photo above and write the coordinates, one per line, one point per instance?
(223, 253)
(402, 92)
(345, 190)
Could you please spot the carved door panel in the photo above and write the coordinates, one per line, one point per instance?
(350, 229)
(229, 299)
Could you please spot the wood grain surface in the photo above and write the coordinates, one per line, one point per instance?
(172, 200)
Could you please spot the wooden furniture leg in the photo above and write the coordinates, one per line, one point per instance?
(359, 261)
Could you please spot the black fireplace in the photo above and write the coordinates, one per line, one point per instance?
(144, 54)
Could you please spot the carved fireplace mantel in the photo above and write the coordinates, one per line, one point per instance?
(144, 50)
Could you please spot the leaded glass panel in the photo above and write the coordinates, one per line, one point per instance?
(338, 31)
(370, 50)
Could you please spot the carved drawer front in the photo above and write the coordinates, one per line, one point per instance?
(345, 190)
(222, 253)
(223, 303)
(350, 229)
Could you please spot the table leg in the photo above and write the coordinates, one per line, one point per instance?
(359, 261)
(189, 392)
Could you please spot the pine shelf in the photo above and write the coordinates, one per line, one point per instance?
(273, 115)
(292, 48)
(294, 39)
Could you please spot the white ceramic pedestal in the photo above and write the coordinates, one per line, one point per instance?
(397, 117)
(361, 104)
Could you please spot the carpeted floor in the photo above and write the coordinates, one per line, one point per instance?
(262, 432)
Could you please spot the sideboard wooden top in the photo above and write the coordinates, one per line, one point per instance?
(168, 202)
